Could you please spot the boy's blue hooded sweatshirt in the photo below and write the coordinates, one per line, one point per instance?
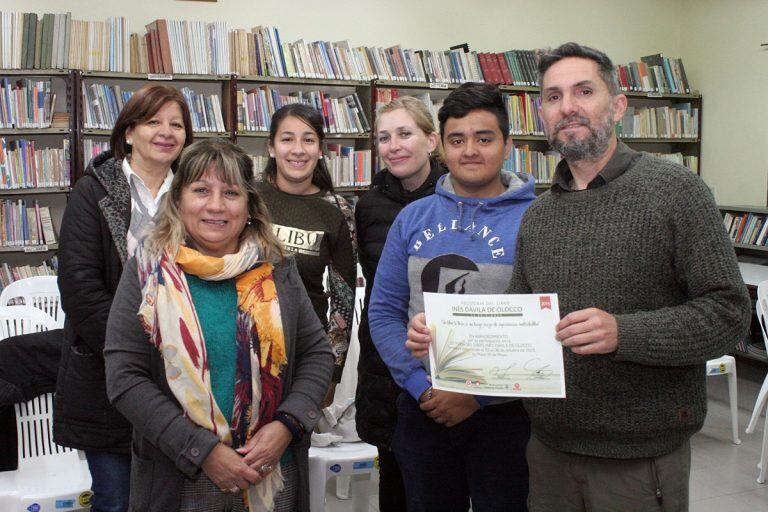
(443, 243)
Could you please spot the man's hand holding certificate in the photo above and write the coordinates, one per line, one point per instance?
(495, 345)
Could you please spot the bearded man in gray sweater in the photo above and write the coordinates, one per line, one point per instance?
(649, 289)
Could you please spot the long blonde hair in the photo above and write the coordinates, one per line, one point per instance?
(420, 115)
(235, 168)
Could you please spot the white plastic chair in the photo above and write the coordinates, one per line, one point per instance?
(761, 308)
(726, 365)
(345, 459)
(41, 292)
(49, 477)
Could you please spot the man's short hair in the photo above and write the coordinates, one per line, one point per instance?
(474, 96)
(547, 58)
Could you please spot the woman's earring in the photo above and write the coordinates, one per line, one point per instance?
(129, 142)
(249, 221)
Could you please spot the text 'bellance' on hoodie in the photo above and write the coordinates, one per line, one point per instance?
(443, 243)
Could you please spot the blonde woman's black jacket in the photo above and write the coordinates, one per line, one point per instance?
(374, 214)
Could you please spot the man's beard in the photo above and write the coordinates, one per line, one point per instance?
(590, 148)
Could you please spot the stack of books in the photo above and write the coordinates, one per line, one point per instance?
(205, 110)
(513, 67)
(22, 165)
(541, 166)
(26, 103)
(102, 104)
(340, 115)
(348, 167)
(93, 148)
(56, 41)
(747, 228)
(689, 161)
(24, 223)
(679, 121)
(9, 274)
(523, 114)
(654, 73)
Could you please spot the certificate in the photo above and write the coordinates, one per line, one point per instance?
(495, 345)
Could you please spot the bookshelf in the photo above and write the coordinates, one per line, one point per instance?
(744, 225)
(208, 97)
(37, 133)
(532, 153)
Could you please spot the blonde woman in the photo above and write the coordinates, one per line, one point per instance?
(408, 144)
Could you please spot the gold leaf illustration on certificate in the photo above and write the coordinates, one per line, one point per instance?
(495, 345)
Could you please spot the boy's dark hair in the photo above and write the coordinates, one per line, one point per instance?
(474, 96)
(547, 58)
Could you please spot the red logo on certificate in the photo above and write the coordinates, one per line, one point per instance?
(545, 303)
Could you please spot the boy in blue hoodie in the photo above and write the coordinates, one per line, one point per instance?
(454, 447)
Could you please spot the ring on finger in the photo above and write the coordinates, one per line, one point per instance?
(266, 468)
(234, 489)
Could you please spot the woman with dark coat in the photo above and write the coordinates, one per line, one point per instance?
(107, 214)
(406, 140)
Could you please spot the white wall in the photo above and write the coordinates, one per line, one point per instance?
(717, 39)
(723, 58)
(627, 29)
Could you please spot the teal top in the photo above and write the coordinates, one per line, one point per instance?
(216, 306)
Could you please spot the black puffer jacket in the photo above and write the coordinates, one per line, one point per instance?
(374, 214)
(91, 257)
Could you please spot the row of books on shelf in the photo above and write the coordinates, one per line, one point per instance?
(669, 122)
(522, 109)
(11, 273)
(747, 228)
(540, 165)
(29, 41)
(523, 114)
(205, 110)
(340, 115)
(689, 161)
(93, 148)
(56, 41)
(348, 167)
(24, 223)
(102, 104)
(26, 103)
(22, 165)
(654, 73)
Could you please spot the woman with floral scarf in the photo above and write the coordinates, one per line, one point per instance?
(213, 351)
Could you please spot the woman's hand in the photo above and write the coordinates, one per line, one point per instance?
(419, 336)
(448, 408)
(263, 451)
(228, 470)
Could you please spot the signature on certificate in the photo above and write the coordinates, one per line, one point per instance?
(536, 370)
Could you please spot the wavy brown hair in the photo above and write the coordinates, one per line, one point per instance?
(144, 104)
(234, 167)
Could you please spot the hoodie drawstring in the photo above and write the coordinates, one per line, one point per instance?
(462, 229)
(472, 219)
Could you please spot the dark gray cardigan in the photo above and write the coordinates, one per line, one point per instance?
(167, 447)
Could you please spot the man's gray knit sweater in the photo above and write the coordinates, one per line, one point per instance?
(648, 247)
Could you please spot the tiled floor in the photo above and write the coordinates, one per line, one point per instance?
(722, 474)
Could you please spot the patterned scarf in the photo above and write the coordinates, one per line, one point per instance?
(168, 315)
